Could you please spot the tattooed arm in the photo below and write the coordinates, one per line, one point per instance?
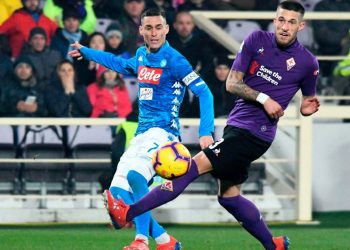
(236, 85)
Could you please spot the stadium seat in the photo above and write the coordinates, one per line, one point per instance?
(102, 24)
(85, 175)
(43, 142)
(255, 182)
(9, 172)
(45, 178)
(85, 134)
(240, 29)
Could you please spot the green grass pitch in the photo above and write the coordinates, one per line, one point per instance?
(333, 233)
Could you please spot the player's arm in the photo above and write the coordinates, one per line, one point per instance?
(309, 105)
(236, 85)
(206, 106)
(109, 60)
(183, 72)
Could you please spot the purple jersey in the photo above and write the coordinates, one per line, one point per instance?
(275, 71)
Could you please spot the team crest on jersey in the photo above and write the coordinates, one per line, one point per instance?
(290, 63)
(167, 186)
(163, 63)
(149, 75)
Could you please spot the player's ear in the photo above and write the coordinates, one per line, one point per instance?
(167, 28)
(141, 30)
(301, 25)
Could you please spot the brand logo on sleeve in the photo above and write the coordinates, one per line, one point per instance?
(149, 75)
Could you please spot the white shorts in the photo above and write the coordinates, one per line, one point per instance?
(138, 156)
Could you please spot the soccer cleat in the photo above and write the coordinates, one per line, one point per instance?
(138, 244)
(281, 242)
(117, 210)
(173, 244)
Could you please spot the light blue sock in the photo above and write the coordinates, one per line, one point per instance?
(139, 187)
(145, 223)
(155, 229)
(125, 195)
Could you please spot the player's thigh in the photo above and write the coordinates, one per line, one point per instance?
(138, 156)
(232, 155)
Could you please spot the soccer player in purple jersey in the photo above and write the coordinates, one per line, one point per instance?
(269, 69)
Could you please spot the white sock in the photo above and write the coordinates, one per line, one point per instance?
(142, 237)
(163, 238)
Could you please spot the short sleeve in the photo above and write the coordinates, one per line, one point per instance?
(245, 53)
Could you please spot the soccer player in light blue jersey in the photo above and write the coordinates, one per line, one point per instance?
(163, 75)
(267, 72)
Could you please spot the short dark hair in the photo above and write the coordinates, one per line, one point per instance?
(153, 12)
(292, 5)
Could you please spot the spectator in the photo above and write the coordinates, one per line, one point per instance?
(130, 22)
(5, 61)
(23, 94)
(54, 10)
(191, 43)
(195, 47)
(97, 41)
(115, 44)
(70, 33)
(65, 97)
(109, 96)
(5, 69)
(223, 100)
(341, 73)
(330, 34)
(44, 59)
(20, 23)
(67, 35)
(7, 8)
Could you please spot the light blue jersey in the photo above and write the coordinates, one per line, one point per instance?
(162, 78)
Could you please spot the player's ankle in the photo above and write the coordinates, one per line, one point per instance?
(163, 238)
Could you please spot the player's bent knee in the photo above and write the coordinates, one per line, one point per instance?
(203, 163)
(137, 181)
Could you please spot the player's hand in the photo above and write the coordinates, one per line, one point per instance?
(273, 109)
(205, 141)
(75, 53)
(309, 105)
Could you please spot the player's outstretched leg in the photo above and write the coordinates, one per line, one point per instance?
(121, 213)
(248, 215)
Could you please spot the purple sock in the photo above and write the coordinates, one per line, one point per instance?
(163, 193)
(248, 215)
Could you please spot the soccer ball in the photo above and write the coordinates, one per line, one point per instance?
(171, 160)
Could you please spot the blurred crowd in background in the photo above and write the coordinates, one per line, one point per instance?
(39, 79)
